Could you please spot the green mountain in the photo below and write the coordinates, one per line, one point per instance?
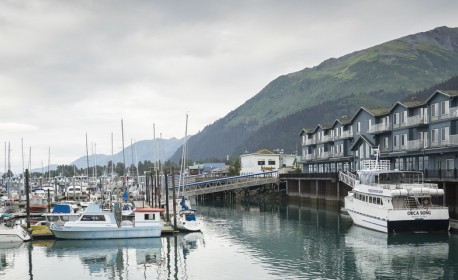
(374, 77)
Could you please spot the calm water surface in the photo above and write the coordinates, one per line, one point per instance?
(245, 241)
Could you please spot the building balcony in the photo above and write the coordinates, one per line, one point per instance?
(337, 155)
(324, 155)
(415, 145)
(379, 128)
(346, 134)
(309, 157)
(326, 138)
(309, 142)
(415, 120)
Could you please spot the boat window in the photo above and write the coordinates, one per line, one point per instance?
(93, 218)
(150, 217)
(53, 218)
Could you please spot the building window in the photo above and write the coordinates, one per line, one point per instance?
(445, 107)
(434, 110)
(434, 135)
(358, 127)
(396, 141)
(396, 118)
(403, 139)
(385, 143)
(261, 162)
(404, 117)
(271, 162)
(445, 133)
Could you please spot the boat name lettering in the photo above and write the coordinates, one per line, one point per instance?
(422, 212)
(375, 191)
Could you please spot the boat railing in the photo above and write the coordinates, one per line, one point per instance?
(375, 165)
(407, 186)
(419, 206)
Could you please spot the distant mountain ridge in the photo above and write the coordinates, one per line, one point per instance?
(139, 151)
(374, 77)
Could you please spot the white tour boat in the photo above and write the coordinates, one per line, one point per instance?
(393, 201)
(95, 223)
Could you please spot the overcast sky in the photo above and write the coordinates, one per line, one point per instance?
(68, 68)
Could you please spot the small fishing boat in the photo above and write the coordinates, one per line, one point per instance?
(13, 234)
(95, 223)
(38, 204)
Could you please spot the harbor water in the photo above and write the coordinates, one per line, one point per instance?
(245, 241)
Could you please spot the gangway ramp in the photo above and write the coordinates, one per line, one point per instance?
(229, 183)
(348, 178)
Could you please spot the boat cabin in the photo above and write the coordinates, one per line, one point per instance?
(144, 216)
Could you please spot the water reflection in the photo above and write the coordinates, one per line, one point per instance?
(8, 254)
(379, 255)
(247, 241)
(103, 255)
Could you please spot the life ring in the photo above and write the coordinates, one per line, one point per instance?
(425, 202)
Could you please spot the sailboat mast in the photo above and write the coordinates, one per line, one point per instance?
(123, 156)
(87, 158)
(112, 163)
(49, 163)
(183, 159)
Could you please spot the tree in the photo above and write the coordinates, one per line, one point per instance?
(234, 169)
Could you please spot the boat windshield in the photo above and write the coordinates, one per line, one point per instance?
(391, 178)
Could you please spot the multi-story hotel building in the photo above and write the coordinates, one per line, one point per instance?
(412, 135)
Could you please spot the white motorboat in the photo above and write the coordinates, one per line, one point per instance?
(393, 201)
(95, 223)
(13, 234)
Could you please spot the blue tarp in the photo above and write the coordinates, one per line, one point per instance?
(62, 208)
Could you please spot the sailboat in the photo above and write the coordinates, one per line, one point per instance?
(187, 218)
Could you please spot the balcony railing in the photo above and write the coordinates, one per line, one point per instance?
(309, 142)
(415, 145)
(324, 155)
(309, 157)
(326, 138)
(415, 120)
(380, 127)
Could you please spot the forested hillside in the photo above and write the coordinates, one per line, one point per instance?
(374, 77)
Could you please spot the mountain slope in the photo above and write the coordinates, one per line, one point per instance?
(373, 77)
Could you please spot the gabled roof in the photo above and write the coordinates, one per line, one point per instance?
(449, 93)
(306, 131)
(408, 104)
(342, 121)
(376, 112)
(324, 126)
(263, 152)
(360, 140)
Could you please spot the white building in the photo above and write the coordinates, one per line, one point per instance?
(265, 160)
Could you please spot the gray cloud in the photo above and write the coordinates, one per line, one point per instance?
(71, 67)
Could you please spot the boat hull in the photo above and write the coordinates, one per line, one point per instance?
(402, 221)
(15, 234)
(189, 225)
(65, 232)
